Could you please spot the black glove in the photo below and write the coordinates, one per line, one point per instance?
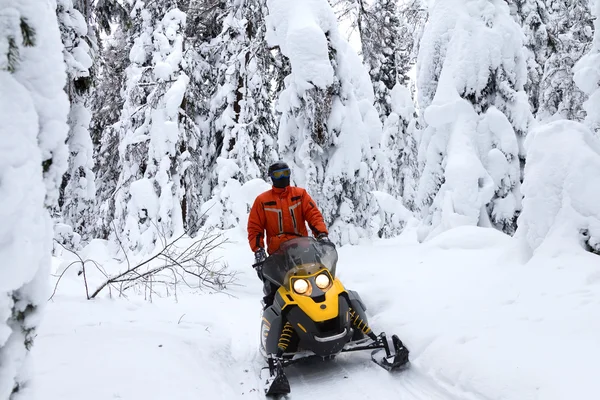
(323, 238)
(260, 256)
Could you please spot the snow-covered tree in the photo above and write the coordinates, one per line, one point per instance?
(33, 158)
(561, 188)
(148, 196)
(587, 75)
(414, 15)
(204, 21)
(78, 188)
(106, 12)
(571, 31)
(533, 17)
(386, 56)
(471, 72)
(395, 166)
(398, 127)
(241, 117)
(106, 106)
(328, 123)
(387, 42)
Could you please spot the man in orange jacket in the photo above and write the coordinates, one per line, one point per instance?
(283, 213)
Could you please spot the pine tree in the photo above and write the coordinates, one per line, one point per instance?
(204, 25)
(33, 158)
(148, 199)
(387, 36)
(328, 122)
(413, 15)
(107, 12)
(587, 76)
(240, 118)
(106, 106)
(396, 169)
(477, 117)
(387, 42)
(570, 28)
(386, 57)
(78, 187)
(533, 17)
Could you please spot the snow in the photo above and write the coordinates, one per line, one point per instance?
(231, 200)
(33, 158)
(395, 214)
(402, 103)
(46, 85)
(20, 161)
(80, 191)
(561, 187)
(152, 156)
(486, 316)
(476, 115)
(168, 44)
(480, 320)
(74, 29)
(297, 27)
(328, 126)
(142, 208)
(587, 74)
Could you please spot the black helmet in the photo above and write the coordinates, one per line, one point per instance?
(283, 180)
(277, 166)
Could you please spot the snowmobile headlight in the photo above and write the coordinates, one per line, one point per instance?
(301, 286)
(322, 281)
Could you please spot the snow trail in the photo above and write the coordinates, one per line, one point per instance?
(478, 321)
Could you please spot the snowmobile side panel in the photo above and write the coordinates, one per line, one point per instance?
(271, 326)
(355, 301)
(358, 307)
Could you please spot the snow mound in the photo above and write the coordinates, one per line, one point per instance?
(469, 238)
(561, 187)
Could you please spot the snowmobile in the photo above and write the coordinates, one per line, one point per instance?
(313, 315)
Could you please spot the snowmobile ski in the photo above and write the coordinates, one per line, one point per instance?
(277, 383)
(392, 356)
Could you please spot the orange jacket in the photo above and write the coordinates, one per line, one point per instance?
(282, 213)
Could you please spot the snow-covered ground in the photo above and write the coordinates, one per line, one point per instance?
(481, 321)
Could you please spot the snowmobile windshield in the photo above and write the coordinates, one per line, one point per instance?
(299, 256)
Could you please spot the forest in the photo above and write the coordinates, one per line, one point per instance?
(133, 121)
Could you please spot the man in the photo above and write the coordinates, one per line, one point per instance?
(282, 212)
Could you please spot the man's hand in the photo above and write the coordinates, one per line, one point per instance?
(260, 256)
(322, 237)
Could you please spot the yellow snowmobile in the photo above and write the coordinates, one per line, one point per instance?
(314, 315)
